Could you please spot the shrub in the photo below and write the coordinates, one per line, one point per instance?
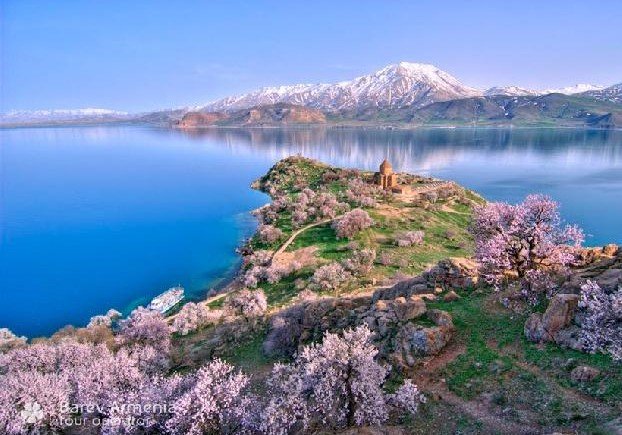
(337, 383)
(106, 320)
(352, 223)
(330, 276)
(361, 262)
(247, 303)
(217, 402)
(269, 234)
(601, 326)
(193, 316)
(524, 239)
(409, 238)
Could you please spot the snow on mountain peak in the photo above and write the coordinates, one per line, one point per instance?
(575, 89)
(393, 86)
(59, 114)
(511, 91)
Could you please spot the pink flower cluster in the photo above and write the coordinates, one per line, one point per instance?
(527, 240)
(352, 223)
(601, 324)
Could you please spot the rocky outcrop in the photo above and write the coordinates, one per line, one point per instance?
(415, 341)
(446, 274)
(587, 256)
(307, 321)
(600, 265)
(558, 315)
(198, 119)
(382, 316)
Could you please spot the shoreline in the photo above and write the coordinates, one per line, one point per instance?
(363, 126)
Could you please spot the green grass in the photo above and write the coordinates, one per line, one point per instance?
(496, 359)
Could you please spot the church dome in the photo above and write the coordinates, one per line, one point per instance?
(386, 168)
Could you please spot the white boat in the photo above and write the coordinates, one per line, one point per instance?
(167, 300)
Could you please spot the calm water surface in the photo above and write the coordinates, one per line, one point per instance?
(99, 217)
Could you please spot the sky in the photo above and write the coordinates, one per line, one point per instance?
(144, 55)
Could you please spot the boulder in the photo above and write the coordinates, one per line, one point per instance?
(570, 337)
(451, 296)
(413, 341)
(558, 315)
(441, 318)
(560, 312)
(409, 309)
(454, 272)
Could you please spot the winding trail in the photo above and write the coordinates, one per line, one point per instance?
(296, 233)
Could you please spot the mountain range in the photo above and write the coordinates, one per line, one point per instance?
(412, 93)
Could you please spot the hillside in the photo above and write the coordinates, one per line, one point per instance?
(476, 367)
(272, 115)
(546, 110)
(348, 287)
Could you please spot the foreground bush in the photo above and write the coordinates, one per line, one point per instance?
(336, 384)
(526, 240)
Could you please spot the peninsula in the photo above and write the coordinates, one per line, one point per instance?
(450, 313)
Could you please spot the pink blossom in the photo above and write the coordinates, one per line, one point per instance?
(352, 223)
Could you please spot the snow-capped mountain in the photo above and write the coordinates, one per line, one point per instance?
(612, 94)
(511, 91)
(394, 86)
(60, 115)
(575, 89)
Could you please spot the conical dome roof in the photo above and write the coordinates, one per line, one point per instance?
(385, 167)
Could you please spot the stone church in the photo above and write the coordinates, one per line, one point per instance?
(386, 178)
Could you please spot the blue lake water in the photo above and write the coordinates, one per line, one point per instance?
(93, 218)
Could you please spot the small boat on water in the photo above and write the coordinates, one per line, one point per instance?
(167, 300)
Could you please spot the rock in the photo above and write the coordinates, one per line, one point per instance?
(569, 337)
(584, 373)
(610, 250)
(416, 341)
(558, 315)
(451, 296)
(428, 296)
(441, 318)
(409, 309)
(381, 306)
(454, 272)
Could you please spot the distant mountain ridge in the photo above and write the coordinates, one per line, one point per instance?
(56, 116)
(405, 92)
(612, 94)
(394, 86)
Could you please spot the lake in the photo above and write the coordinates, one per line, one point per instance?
(93, 218)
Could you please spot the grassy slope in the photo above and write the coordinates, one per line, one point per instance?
(445, 226)
(495, 367)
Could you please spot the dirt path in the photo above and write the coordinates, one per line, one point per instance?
(427, 379)
(296, 233)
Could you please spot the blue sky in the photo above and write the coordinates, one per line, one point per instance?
(140, 55)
